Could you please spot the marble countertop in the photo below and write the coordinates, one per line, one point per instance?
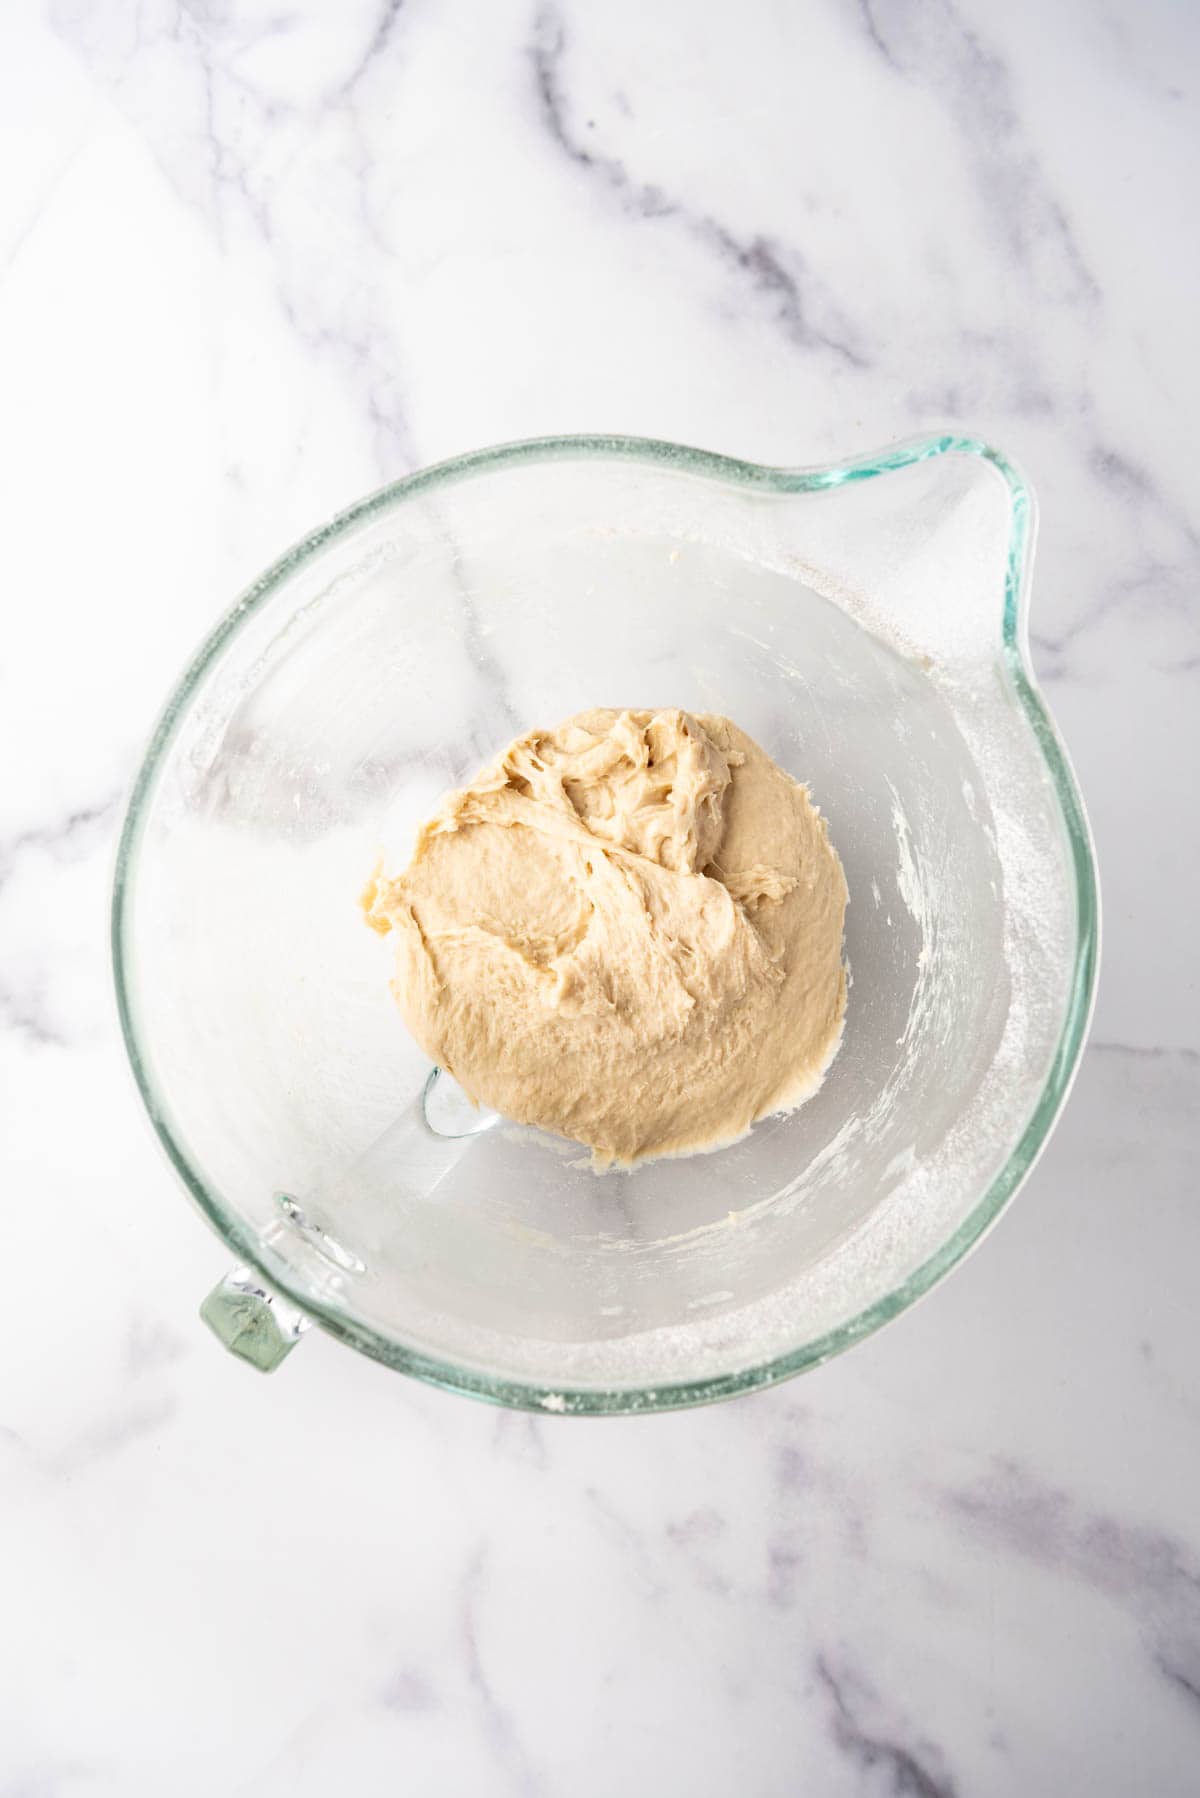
(256, 258)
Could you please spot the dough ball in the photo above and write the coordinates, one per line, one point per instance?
(626, 930)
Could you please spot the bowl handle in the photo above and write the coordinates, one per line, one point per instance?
(436, 1130)
(253, 1322)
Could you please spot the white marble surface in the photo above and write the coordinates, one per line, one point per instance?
(256, 257)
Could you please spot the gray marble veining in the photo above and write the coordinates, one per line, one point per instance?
(256, 259)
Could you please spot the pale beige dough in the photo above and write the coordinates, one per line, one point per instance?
(626, 930)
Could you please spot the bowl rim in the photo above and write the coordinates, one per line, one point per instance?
(1081, 995)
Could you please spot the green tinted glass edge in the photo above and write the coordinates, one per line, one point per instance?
(624, 1401)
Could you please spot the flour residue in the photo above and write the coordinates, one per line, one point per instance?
(909, 883)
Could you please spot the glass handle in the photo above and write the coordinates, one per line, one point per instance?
(253, 1322)
(423, 1144)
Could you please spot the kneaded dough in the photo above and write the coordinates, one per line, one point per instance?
(626, 930)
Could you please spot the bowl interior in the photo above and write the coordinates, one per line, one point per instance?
(384, 666)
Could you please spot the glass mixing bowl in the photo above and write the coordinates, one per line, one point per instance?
(866, 624)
